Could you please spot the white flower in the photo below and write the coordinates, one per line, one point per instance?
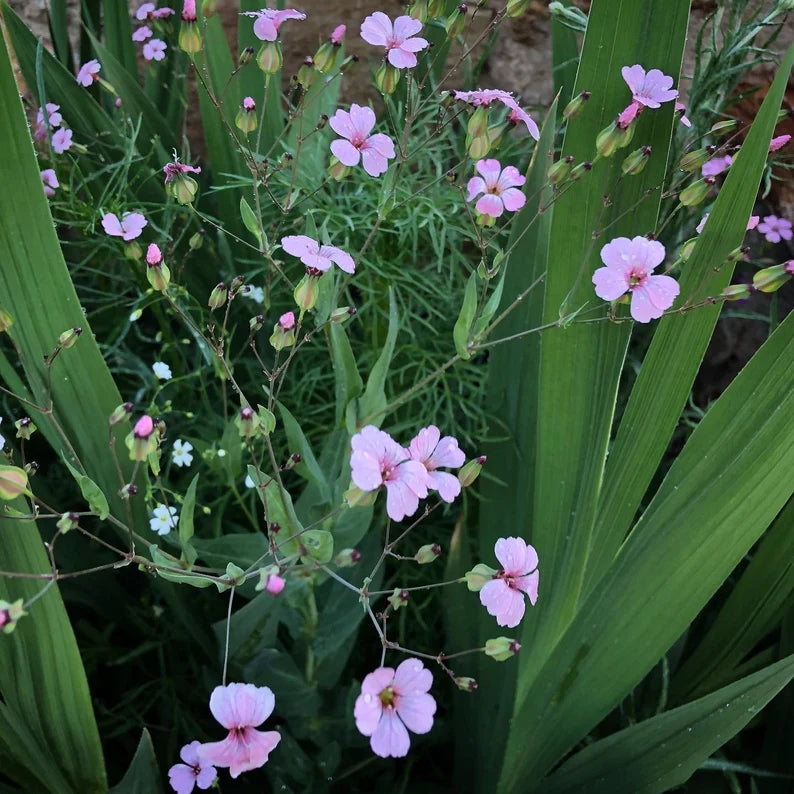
(162, 370)
(256, 294)
(180, 454)
(249, 483)
(165, 519)
(221, 453)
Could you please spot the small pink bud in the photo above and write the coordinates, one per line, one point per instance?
(144, 427)
(287, 321)
(337, 35)
(153, 255)
(275, 584)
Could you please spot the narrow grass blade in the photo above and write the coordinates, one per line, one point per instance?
(118, 34)
(59, 31)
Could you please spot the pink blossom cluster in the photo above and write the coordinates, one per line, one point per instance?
(153, 48)
(61, 136)
(268, 21)
(406, 473)
(486, 97)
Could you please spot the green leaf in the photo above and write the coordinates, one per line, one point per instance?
(118, 35)
(308, 468)
(186, 528)
(680, 342)
(461, 333)
(97, 502)
(59, 31)
(279, 508)
(347, 380)
(319, 544)
(491, 305)
(250, 220)
(158, 558)
(268, 419)
(663, 752)
(143, 774)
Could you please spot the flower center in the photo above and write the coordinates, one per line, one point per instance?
(358, 139)
(387, 696)
(637, 278)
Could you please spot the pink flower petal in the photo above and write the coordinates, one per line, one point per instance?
(423, 444)
(265, 29)
(374, 162)
(362, 118)
(529, 585)
(405, 27)
(513, 199)
(381, 143)
(489, 170)
(412, 678)
(447, 485)
(238, 705)
(299, 245)
(610, 283)
(504, 603)
(376, 29)
(490, 204)
(182, 778)
(416, 712)
(367, 713)
(512, 554)
(345, 152)
(341, 258)
(447, 453)
(390, 738)
(401, 59)
(475, 186)
(111, 224)
(342, 124)
(376, 681)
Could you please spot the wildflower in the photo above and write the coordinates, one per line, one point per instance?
(499, 186)
(681, 108)
(337, 35)
(751, 224)
(165, 519)
(162, 370)
(241, 708)
(142, 33)
(775, 144)
(144, 427)
(316, 256)
(128, 228)
(249, 483)
(181, 186)
(180, 454)
(503, 596)
(717, 165)
(393, 702)
(163, 13)
(154, 255)
(269, 21)
(283, 331)
(154, 50)
(50, 182)
(432, 452)
(377, 459)
(629, 264)
(54, 118)
(398, 39)
(486, 97)
(88, 72)
(355, 127)
(256, 294)
(145, 11)
(62, 140)
(194, 772)
(774, 229)
(648, 89)
(189, 11)
(275, 584)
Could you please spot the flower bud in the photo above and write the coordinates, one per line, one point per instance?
(471, 471)
(636, 161)
(307, 292)
(143, 440)
(67, 521)
(771, 279)
(246, 56)
(558, 172)
(398, 599)
(693, 161)
(455, 22)
(337, 170)
(738, 254)
(724, 126)
(196, 240)
(70, 337)
(25, 428)
(182, 188)
(355, 497)
(255, 323)
(478, 147)
(269, 59)
(247, 421)
(687, 248)
(218, 296)
(465, 684)
(387, 78)
(342, 314)
(574, 107)
(696, 192)
(502, 648)
(120, 414)
(478, 122)
(325, 57)
(580, 170)
(189, 37)
(283, 331)
(6, 321)
(10, 613)
(428, 553)
(347, 558)
(479, 576)
(32, 468)
(307, 74)
(418, 10)
(159, 276)
(608, 140)
(13, 482)
(625, 135)
(246, 120)
(736, 292)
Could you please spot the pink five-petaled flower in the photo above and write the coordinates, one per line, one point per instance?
(373, 150)
(154, 50)
(128, 228)
(88, 73)
(173, 170)
(50, 182)
(144, 32)
(54, 118)
(717, 165)
(432, 452)
(62, 140)
(629, 264)
(503, 596)
(194, 772)
(269, 21)
(485, 97)
(500, 188)
(398, 39)
(393, 702)
(316, 256)
(648, 89)
(775, 229)
(774, 145)
(241, 708)
(377, 459)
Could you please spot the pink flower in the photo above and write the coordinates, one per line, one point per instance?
(398, 39)
(128, 228)
(680, 107)
(173, 170)
(337, 35)
(50, 182)
(241, 708)
(751, 224)
(88, 72)
(163, 13)
(287, 321)
(54, 118)
(189, 11)
(432, 452)
(144, 427)
(503, 596)
(775, 229)
(62, 140)
(626, 116)
(144, 32)
(717, 165)
(486, 97)
(629, 264)
(145, 11)
(393, 702)
(248, 103)
(194, 772)
(268, 21)
(154, 50)
(774, 145)
(377, 459)
(316, 256)
(649, 89)
(275, 584)
(499, 188)
(373, 150)
(153, 255)
(789, 266)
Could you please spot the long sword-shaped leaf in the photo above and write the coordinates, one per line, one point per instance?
(678, 346)
(726, 486)
(59, 31)
(664, 751)
(118, 34)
